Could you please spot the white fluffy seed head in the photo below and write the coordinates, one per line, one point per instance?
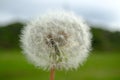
(57, 39)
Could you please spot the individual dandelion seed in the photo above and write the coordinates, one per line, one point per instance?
(57, 40)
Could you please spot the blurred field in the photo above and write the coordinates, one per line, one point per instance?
(100, 66)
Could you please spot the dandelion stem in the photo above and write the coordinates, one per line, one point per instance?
(52, 73)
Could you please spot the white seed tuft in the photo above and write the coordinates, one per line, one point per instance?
(58, 38)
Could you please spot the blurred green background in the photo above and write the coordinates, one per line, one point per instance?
(102, 64)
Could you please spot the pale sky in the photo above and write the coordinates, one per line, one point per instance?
(105, 12)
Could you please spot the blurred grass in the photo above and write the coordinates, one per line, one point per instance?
(99, 66)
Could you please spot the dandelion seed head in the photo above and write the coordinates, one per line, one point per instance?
(58, 38)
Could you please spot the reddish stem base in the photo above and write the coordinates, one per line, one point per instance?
(52, 73)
